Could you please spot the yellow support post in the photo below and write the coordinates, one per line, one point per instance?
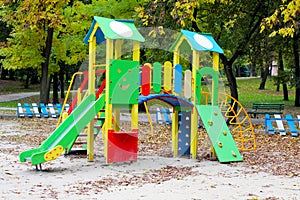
(91, 90)
(136, 51)
(134, 109)
(176, 57)
(194, 117)
(149, 118)
(118, 55)
(79, 96)
(118, 49)
(108, 106)
(117, 119)
(216, 68)
(175, 132)
(134, 117)
(216, 61)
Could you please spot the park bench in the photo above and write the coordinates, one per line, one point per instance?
(266, 108)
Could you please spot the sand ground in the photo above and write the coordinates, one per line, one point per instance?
(151, 177)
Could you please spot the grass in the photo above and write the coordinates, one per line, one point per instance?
(249, 93)
(10, 87)
(247, 88)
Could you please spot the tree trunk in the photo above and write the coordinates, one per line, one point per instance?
(233, 87)
(26, 85)
(230, 77)
(44, 92)
(297, 68)
(281, 69)
(55, 88)
(34, 77)
(62, 82)
(231, 81)
(49, 87)
(11, 74)
(4, 73)
(264, 76)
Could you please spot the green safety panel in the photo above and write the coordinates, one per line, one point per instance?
(124, 82)
(219, 134)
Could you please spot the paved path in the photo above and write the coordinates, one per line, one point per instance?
(16, 96)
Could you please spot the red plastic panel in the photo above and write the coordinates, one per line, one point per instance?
(122, 146)
(146, 80)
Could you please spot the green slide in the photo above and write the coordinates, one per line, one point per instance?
(64, 136)
(219, 133)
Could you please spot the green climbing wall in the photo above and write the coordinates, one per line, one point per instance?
(219, 133)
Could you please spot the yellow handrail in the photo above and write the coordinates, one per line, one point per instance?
(67, 96)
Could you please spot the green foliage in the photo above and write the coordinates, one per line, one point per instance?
(285, 19)
(30, 21)
(284, 77)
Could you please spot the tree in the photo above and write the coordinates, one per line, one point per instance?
(285, 22)
(233, 24)
(33, 23)
(48, 35)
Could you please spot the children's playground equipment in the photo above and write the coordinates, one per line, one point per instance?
(128, 83)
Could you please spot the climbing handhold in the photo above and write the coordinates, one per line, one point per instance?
(215, 113)
(233, 153)
(220, 144)
(224, 133)
(210, 123)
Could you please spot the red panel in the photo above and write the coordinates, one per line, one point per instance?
(122, 146)
(146, 80)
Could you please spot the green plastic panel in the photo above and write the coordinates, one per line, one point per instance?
(219, 133)
(124, 82)
(157, 70)
(66, 134)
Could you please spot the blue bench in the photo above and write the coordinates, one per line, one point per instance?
(34, 110)
(282, 125)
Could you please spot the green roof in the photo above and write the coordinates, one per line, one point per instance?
(114, 29)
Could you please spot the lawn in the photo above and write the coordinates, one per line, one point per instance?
(247, 88)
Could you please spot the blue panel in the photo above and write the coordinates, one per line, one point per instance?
(166, 116)
(99, 34)
(168, 98)
(292, 126)
(178, 79)
(59, 107)
(28, 110)
(184, 133)
(44, 110)
(268, 125)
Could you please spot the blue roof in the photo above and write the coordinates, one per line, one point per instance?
(170, 99)
(199, 41)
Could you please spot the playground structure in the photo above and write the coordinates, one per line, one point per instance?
(128, 83)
